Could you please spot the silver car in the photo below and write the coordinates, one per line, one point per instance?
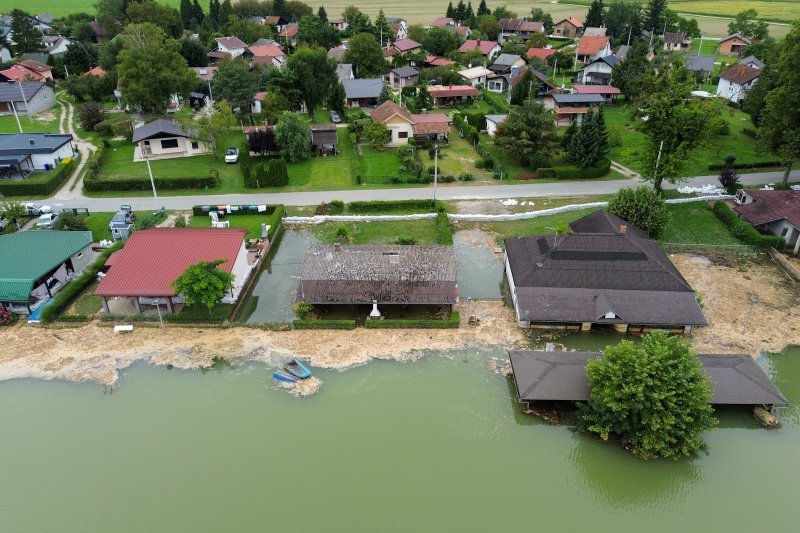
(34, 209)
(47, 221)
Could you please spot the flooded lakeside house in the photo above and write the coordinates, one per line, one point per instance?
(142, 272)
(35, 265)
(379, 275)
(604, 274)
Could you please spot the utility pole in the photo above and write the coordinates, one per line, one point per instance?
(629, 35)
(150, 171)
(25, 101)
(700, 48)
(658, 160)
(435, 169)
(16, 115)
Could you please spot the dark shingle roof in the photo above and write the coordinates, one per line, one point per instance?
(740, 74)
(405, 72)
(700, 63)
(323, 134)
(158, 128)
(602, 221)
(363, 88)
(388, 274)
(561, 376)
(9, 92)
(566, 98)
(43, 143)
(770, 206)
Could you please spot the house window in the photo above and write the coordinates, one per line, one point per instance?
(402, 135)
(195, 145)
(80, 254)
(169, 143)
(784, 232)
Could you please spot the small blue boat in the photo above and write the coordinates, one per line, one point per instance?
(280, 375)
(297, 369)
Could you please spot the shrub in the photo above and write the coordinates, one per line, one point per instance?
(39, 185)
(422, 323)
(740, 165)
(719, 126)
(342, 233)
(336, 207)
(405, 240)
(70, 221)
(103, 129)
(276, 173)
(152, 219)
(303, 310)
(7, 318)
(90, 114)
(466, 176)
(641, 207)
(180, 220)
(322, 209)
(378, 206)
(73, 289)
(324, 324)
(448, 179)
(742, 230)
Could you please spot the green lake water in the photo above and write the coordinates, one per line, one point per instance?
(437, 444)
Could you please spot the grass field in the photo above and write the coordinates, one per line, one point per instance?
(695, 223)
(714, 151)
(252, 223)
(44, 122)
(424, 231)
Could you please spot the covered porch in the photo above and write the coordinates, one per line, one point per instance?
(15, 167)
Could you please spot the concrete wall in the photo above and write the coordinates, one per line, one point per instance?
(81, 259)
(240, 270)
(52, 159)
(396, 126)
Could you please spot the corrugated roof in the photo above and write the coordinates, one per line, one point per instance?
(388, 274)
(561, 376)
(26, 256)
(770, 206)
(152, 259)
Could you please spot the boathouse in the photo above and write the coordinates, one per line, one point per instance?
(379, 275)
(561, 376)
(142, 272)
(606, 274)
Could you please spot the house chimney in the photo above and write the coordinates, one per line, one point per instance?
(337, 247)
(31, 141)
(623, 229)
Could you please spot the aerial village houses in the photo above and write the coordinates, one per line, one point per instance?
(265, 54)
(338, 24)
(55, 44)
(23, 153)
(608, 92)
(736, 82)
(441, 22)
(521, 28)
(451, 94)
(677, 42)
(570, 108)
(163, 139)
(594, 32)
(492, 122)
(232, 46)
(605, 274)
(776, 212)
(403, 77)
(504, 82)
(406, 46)
(362, 92)
(29, 97)
(403, 125)
(399, 27)
(598, 72)
(700, 65)
(568, 27)
(476, 75)
(591, 48)
(733, 44)
(324, 139)
(143, 271)
(489, 49)
(276, 21)
(541, 53)
(384, 276)
(289, 34)
(35, 265)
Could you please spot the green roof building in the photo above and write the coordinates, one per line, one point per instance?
(34, 265)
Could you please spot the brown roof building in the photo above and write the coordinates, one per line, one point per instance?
(568, 27)
(733, 44)
(336, 274)
(775, 212)
(606, 273)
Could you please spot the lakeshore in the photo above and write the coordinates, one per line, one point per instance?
(92, 352)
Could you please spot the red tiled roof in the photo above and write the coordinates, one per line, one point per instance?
(96, 71)
(571, 20)
(387, 110)
(591, 44)
(740, 74)
(21, 73)
(265, 50)
(431, 117)
(443, 91)
(770, 206)
(289, 31)
(595, 89)
(461, 30)
(438, 61)
(152, 259)
(404, 45)
(273, 20)
(442, 21)
(520, 25)
(426, 128)
(541, 53)
(231, 42)
(35, 65)
(484, 46)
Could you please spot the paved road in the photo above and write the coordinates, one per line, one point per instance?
(449, 192)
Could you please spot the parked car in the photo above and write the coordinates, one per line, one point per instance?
(335, 118)
(232, 155)
(122, 217)
(47, 221)
(34, 210)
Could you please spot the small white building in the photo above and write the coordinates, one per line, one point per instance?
(492, 121)
(736, 82)
(775, 212)
(164, 139)
(231, 45)
(476, 75)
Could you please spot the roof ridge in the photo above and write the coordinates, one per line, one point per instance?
(678, 278)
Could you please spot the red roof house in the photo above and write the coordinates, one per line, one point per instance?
(442, 21)
(406, 45)
(444, 95)
(152, 259)
(487, 48)
(592, 47)
(541, 53)
(435, 61)
(775, 211)
(21, 73)
(96, 71)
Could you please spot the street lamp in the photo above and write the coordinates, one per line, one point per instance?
(435, 169)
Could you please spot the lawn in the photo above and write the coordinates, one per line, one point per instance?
(377, 167)
(709, 47)
(695, 223)
(457, 158)
(332, 172)
(252, 223)
(424, 231)
(714, 151)
(44, 122)
(532, 226)
(87, 303)
(321, 116)
(97, 223)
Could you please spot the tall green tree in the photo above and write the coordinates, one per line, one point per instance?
(235, 83)
(381, 29)
(194, 53)
(525, 89)
(594, 17)
(213, 130)
(322, 14)
(483, 9)
(653, 14)
(27, 38)
(488, 27)
(642, 207)
(366, 56)
(165, 17)
(653, 396)
(225, 12)
(528, 134)
(80, 57)
(589, 144)
(197, 13)
(151, 69)
(629, 75)
(439, 41)
(315, 74)
(756, 97)
(186, 13)
(424, 98)
(778, 129)
(213, 12)
(538, 15)
(279, 7)
(450, 12)
(461, 11)
(676, 123)
(293, 137)
(748, 24)
(337, 98)
(204, 283)
(624, 18)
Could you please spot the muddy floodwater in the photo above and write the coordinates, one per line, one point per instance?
(437, 444)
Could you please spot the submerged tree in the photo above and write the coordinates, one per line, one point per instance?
(204, 283)
(653, 396)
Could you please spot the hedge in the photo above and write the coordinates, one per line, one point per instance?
(450, 323)
(744, 231)
(74, 288)
(573, 173)
(218, 315)
(444, 232)
(380, 206)
(761, 164)
(323, 324)
(42, 185)
(92, 183)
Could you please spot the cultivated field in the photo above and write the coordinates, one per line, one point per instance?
(423, 11)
